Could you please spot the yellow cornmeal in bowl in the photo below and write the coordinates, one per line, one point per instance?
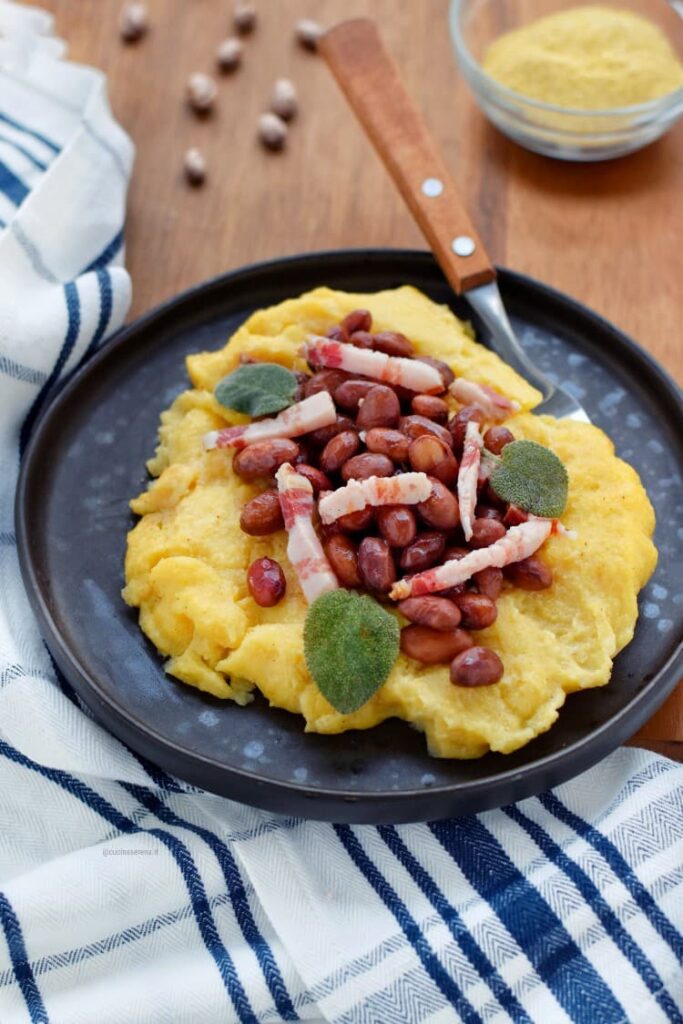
(586, 58)
(187, 558)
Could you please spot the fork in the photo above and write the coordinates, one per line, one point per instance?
(372, 85)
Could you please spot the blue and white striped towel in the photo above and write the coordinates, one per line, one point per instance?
(127, 896)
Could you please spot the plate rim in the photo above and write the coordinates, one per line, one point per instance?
(556, 766)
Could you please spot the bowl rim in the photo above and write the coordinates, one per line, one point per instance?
(660, 105)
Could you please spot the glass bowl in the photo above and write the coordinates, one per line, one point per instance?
(561, 132)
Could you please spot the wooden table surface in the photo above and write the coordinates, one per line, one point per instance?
(609, 234)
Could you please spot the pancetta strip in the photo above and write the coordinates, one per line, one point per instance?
(310, 414)
(304, 549)
(404, 489)
(518, 543)
(468, 475)
(409, 373)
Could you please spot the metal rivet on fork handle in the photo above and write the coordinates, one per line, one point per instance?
(463, 245)
(432, 187)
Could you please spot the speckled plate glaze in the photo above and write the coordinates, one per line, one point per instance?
(87, 457)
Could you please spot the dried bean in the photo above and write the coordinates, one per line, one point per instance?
(338, 450)
(430, 646)
(389, 442)
(343, 557)
(478, 666)
(309, 33)
(376, 564)
(478, 611)
(486, 532)
(435, 612)
(424, 552)
(357, 320)
(266, 582)
(133, 21)
(441, 507)
(356, 521)
(318, 480)
(397, 525)
(379, 408)
(392, 343)
(444, 369)
(430, 406)
(349, 393)
(530, 574)
(496, 438)
(458, 425)
(430, 455)
(262, 515)
(194, 165)
(272, 130)
(264, 457)
(244, 16)
(229, 54)
(489, 582)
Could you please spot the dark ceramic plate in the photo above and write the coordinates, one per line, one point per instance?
(87, 458)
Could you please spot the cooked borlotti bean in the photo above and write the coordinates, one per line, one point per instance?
(356, 521)
(339, 450)
(266, 582)
(478, 666)
(397, 525)
(349, 393)
(392, 343)
(376, 564)
(379, 408)
(432, 456)
(496, 438)
(431, 406)
(263, 457)
(360, 467)
(415, 426)
(319, 481)
(386, 441)
(358, 320)
(262, 515)
(489, 582)
(424, 552)
(435, 612)
(441, 507)
(342, 555)
(323, 380)
(477, 610)
(530, 574)
(486, 532)
(431, 646)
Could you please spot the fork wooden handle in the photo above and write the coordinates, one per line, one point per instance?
(371, 83)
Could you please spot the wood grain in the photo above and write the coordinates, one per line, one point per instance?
(608, 234)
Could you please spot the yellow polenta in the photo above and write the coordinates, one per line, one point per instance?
(187, 557)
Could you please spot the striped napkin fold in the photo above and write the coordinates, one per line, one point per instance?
(126, 895)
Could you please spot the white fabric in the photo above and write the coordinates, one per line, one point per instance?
(128, 896)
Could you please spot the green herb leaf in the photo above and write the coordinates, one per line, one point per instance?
(531, 477)
(257, 389)
(350, 644)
